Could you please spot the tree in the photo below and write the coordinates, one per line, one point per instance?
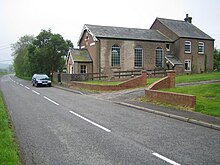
(20, 53)
(47, 52)
(43, 54)
(216, 59)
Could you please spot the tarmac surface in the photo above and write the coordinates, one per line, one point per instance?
(129, 98)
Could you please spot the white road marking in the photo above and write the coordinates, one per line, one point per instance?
(97, 125)
(21, 85)
(17, 83)
(51, 100)
(165, 159)
(36, 92)
(27, 87)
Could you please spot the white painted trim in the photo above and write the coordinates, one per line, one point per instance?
(87, 29)
(92, 44)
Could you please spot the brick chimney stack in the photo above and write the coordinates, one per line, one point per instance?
(188, 19)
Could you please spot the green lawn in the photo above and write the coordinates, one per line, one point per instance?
(102, 82)
(8, 147)
(198, 77)
(190, 78)
(207, 97)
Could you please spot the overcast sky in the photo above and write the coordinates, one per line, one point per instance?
(67, 17)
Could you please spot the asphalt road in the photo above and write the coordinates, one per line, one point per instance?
(60, 127)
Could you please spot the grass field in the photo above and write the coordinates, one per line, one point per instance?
(207, 97)
(190, 78)
(8, 147)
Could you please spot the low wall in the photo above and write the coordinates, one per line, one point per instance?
(171, 98)
(132, 83)
(153, 94)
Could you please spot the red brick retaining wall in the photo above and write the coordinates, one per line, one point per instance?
(131, 83)
(153, 94)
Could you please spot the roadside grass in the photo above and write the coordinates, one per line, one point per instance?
(3, 73)
(8, 146)
(24, 78)
(207, 97)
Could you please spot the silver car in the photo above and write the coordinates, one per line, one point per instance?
(41, 80)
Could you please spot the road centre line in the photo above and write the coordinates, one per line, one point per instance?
(91, 122)
(36, 92)
(26, 87)
(165, 159)
(51, 100)
(21, 85)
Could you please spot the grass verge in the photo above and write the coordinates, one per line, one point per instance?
(8, 146)
(207, 97)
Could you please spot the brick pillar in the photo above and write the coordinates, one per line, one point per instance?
(144, 77)
(172, 78)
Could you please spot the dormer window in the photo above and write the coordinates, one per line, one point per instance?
(187, 46)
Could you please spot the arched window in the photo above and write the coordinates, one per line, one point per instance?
(159, 57)
(115, 55)
(138, 57)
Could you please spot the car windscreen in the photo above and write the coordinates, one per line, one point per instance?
(42, 77)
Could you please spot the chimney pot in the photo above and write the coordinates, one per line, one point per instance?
(188, 19)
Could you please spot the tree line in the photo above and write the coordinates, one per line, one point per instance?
(217, 59)
(44, 53)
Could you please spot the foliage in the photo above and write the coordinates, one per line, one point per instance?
(41, 54)
(20, 51)
(8, 148)
(216, 59)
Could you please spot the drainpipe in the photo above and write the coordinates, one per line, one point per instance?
(99, 57)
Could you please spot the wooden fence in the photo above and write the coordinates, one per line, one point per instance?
(125, 74)
(88, 76)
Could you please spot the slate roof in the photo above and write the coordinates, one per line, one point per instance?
(126, 33)
(173, 60)
(184, 29)
(81, 55)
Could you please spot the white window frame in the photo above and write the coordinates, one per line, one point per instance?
(188, 43)
(189, 64)
(202, 45)
(159, 61)
(136, 51)
(115, 56)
